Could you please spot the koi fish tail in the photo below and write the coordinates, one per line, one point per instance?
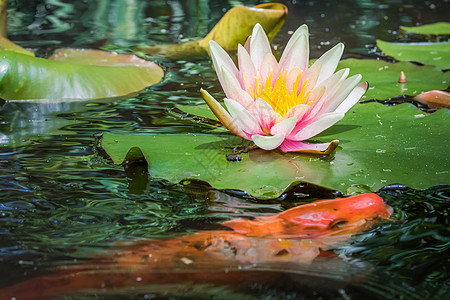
(51, 285)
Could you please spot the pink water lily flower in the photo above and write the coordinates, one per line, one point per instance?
(281, 104)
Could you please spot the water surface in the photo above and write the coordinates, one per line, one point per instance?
(61, 201)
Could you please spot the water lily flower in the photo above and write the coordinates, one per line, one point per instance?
(280, 104)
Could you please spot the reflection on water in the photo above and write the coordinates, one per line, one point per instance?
(24, 122)
(61, 203)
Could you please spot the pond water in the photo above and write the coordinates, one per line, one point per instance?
(61, 201)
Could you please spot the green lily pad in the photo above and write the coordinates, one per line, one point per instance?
(97, 58)
(202, 111)
(383, 77)
(233, 29)
(6, 44)
(439, 28)
(437, 54)
(26, 78)
(379, 145)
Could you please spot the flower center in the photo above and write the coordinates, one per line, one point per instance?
(280, 96)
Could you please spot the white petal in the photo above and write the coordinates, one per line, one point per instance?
(331, 86)
(312, 74)
(329, 61)
(268, 142)
(333, 82)
(301, 31)
(317, 126)
(342, 93)
(221, 58)
(284, 127)
(259, 46)
(296, 53)
(352, 98)
(242, 117)
(234, 90)
(221, 114)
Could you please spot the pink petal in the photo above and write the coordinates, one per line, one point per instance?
(315, 96)
(264, 113)
(284, 127)
(268, 66)
(246, 66)
(242, 117)
(297, 111)
(259, 46)
(298, 146)
(291, 76)
(296, 53)
(312, 74)
(221, 58)
(329, 61)
(233, 88)
(352, 98)
(268, 142)
(315, 126)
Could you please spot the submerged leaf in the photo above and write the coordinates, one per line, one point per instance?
(379, 145)
(26, 78)
(439, 28)
(437, 54)
(233, 29)
(383, 77)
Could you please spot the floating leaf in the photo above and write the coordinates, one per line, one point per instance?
(439, 28)
(202, 111)
(379, 145)
(6, 44)
(437, 54)
(233, 29)
(36, 79)
(98, 58)
(383, 77)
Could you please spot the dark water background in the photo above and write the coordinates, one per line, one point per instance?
(60, 201)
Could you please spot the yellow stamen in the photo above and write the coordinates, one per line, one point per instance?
(280, 96)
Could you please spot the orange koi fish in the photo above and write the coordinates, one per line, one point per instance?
(251, 251)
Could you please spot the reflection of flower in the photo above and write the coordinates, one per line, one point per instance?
(281, 104)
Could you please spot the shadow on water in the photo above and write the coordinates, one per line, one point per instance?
(60, 203)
